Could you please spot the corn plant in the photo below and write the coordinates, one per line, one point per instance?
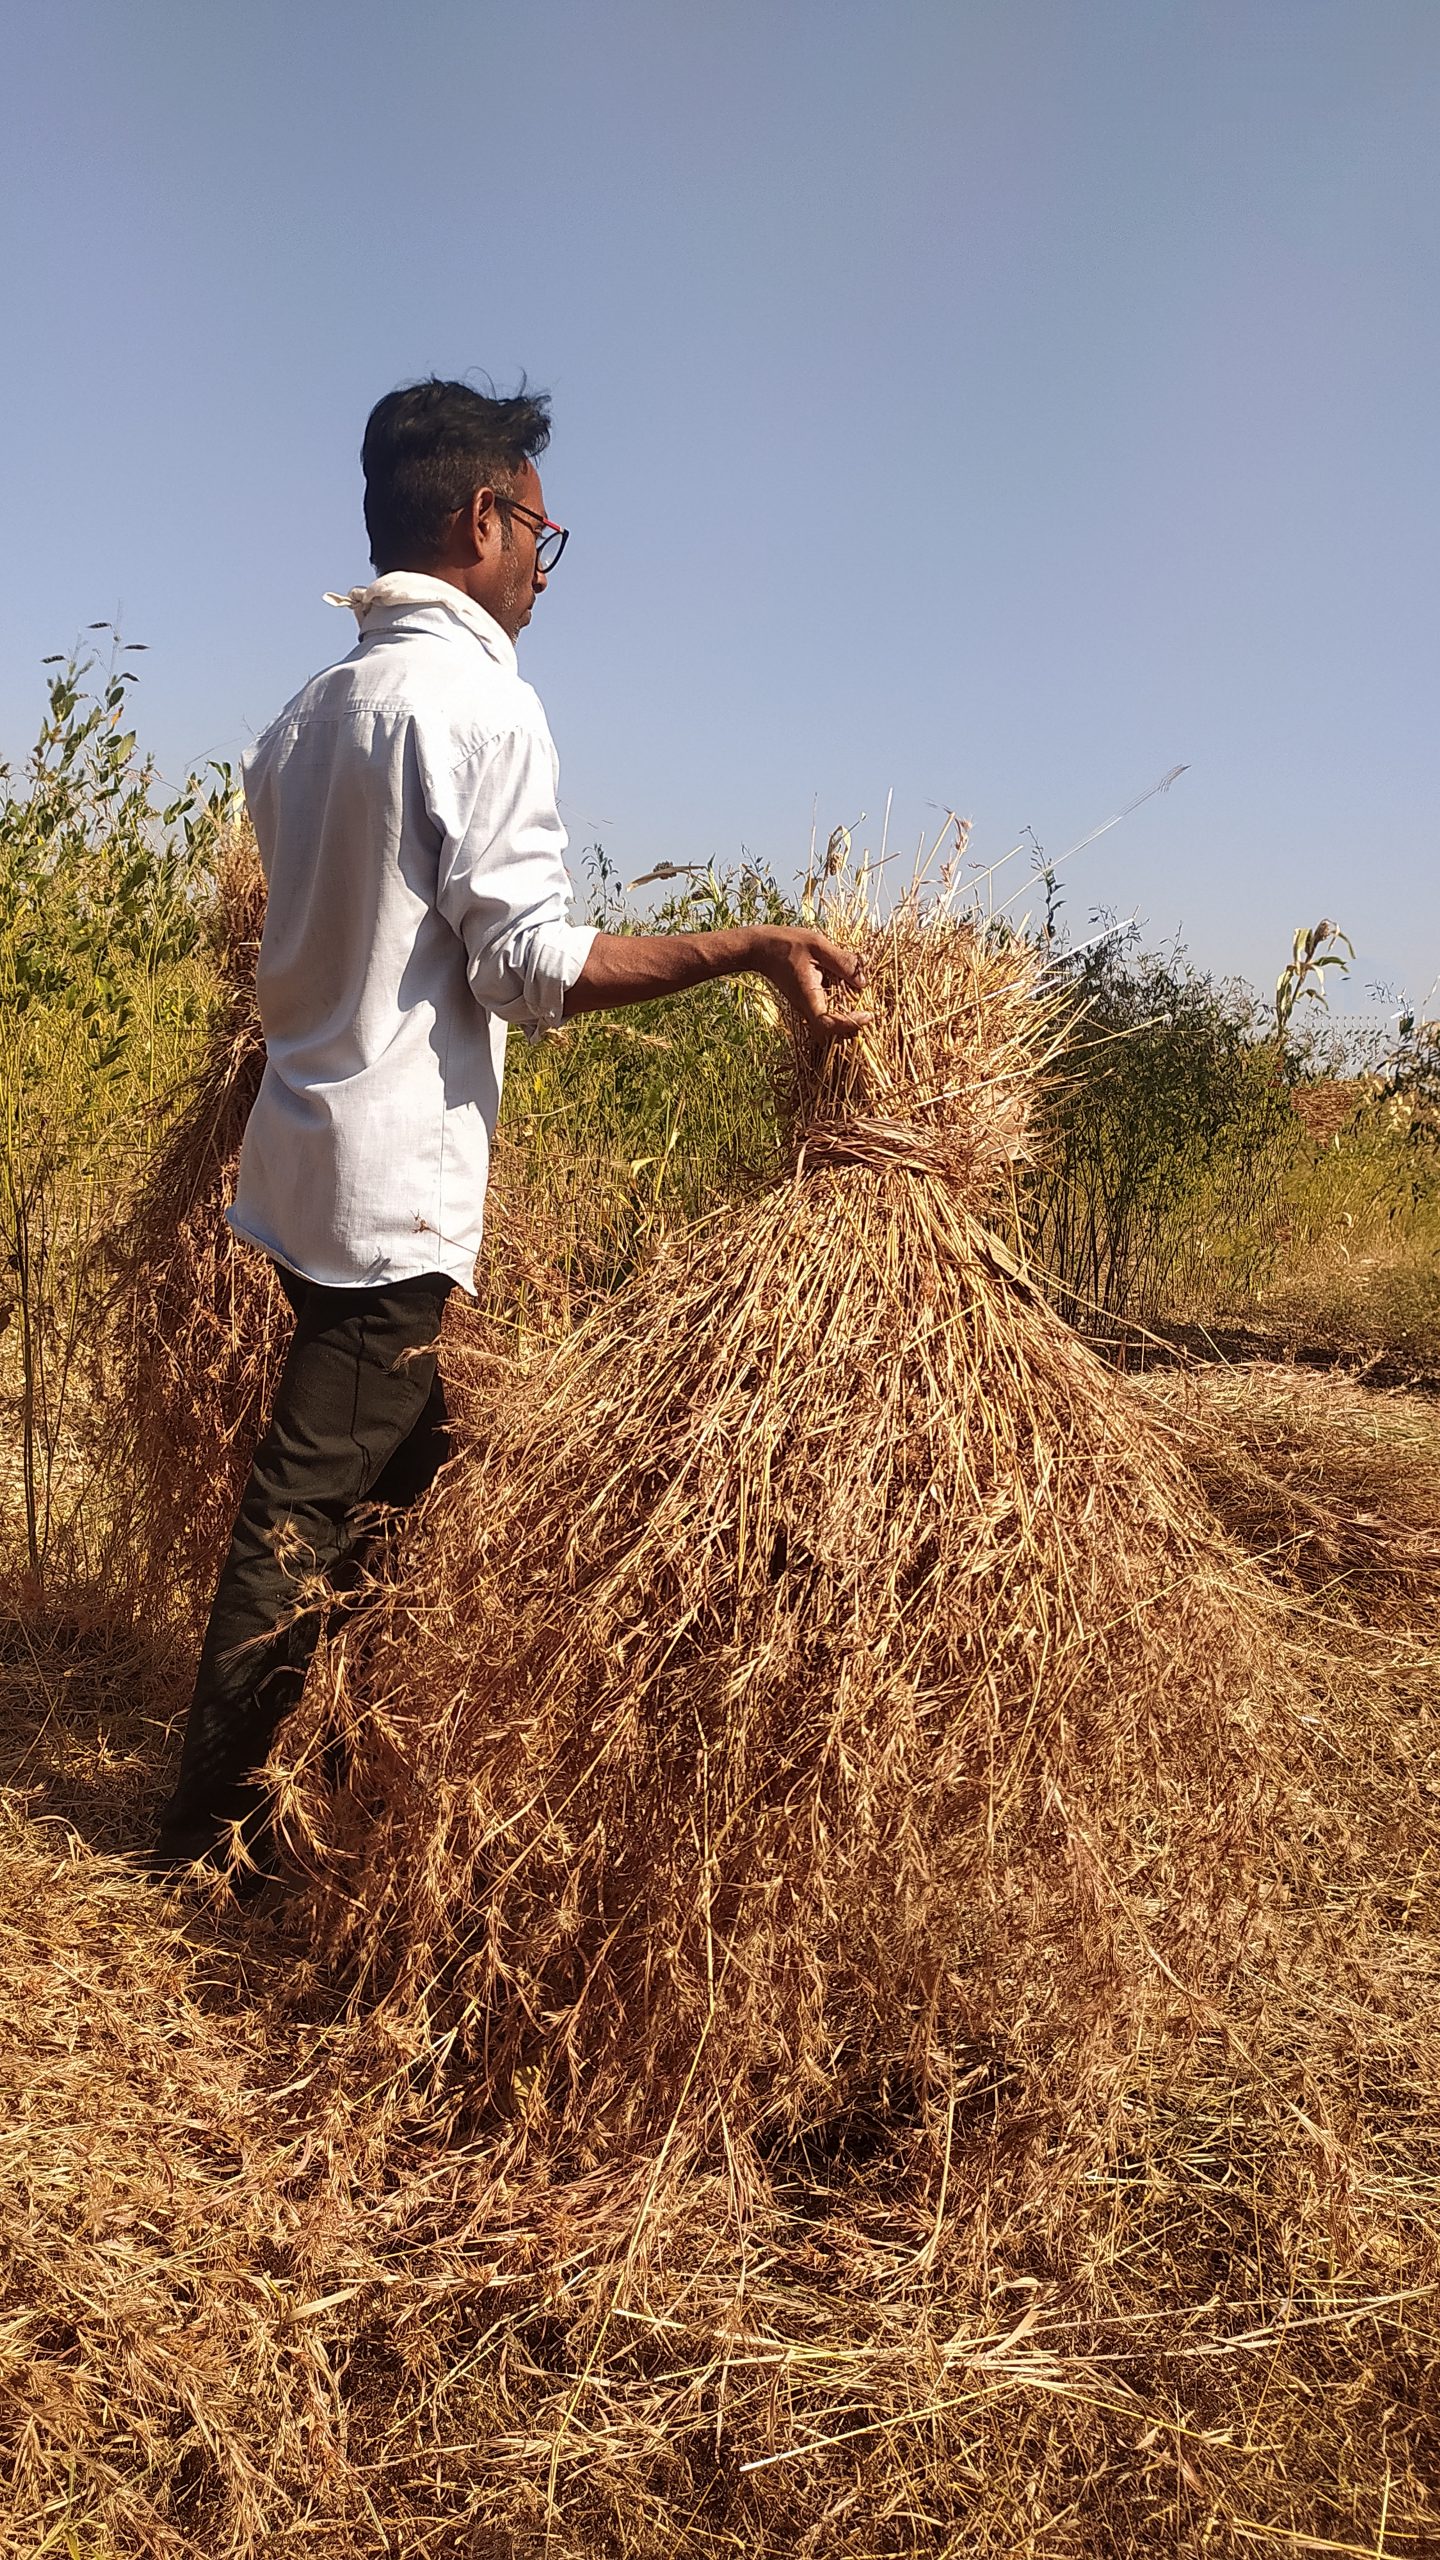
(1303, 976)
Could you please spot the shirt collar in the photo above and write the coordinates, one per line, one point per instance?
(386, 601)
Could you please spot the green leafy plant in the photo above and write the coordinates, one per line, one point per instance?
(101, 879)
(1168, 1128)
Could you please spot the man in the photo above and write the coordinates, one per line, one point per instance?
(418, 904)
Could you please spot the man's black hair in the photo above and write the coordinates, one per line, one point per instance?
(428, 448)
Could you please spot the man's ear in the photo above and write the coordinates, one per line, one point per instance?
(482, 520)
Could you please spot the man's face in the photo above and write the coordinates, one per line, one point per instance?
(507, 576)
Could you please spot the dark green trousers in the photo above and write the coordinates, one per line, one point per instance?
(358, 1422)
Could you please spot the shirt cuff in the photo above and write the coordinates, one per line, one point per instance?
(557, 954)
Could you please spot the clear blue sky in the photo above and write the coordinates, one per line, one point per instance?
(998, 401)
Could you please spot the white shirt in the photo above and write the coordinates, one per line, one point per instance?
(404, 805)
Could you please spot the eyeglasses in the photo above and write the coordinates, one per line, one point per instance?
(550, 537)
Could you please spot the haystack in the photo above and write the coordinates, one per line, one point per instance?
(817, 1686)
(202, 1320)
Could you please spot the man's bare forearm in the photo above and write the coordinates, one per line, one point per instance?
(629, 968)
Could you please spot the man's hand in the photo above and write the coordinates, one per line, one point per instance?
(802, 967)
(631, 968)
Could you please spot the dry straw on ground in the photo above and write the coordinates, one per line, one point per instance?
(1330, 1479)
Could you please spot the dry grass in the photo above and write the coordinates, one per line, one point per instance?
(1329, 1479)
(203, 1322)
(222, 2336)
(1377, 1308)
(873, 1989)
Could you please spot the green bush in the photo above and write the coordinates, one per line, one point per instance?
(102, 997)
(1168, 1132)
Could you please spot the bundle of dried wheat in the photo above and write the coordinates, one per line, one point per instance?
(819, 1672)
(203, 1320)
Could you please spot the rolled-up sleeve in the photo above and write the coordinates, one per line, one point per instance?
(502, 885)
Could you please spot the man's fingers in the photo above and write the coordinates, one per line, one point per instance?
(842, 1026)
(805, 969)
(845, 966)
(812, 1001)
